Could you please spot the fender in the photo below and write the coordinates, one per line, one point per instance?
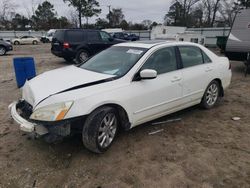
(84, 47)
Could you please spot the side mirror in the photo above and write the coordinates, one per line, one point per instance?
(148, 74)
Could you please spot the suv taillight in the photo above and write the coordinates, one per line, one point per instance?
(66, 45)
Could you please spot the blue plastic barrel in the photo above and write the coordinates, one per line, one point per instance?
(24, 69)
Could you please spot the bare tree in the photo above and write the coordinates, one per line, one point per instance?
(187, 6)
(31, 7)
(208, 11)
(199, 13)
(227, 11)
(6, 9)
(115, 16)
(212, 8)
(180, 11)
(147, 23)
(215, 10)
(73, 17)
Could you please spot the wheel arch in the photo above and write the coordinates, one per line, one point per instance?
(221, 87)
(2, 46)
(122, 113)
(83, 47)
(16, 41)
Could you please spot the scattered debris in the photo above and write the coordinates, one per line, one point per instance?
(34, 184)
(236, 118)
(155, 132)
(4, 134)
(3, 81)
(168, 121)
(69, 155)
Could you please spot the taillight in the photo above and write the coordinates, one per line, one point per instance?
(66, 45)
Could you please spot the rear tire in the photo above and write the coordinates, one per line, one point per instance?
(100, 129)
(2, 50)
(34, 42)
(211, 95)
(82, 56)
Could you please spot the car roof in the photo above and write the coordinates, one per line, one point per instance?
(78, 29)
(152, 43)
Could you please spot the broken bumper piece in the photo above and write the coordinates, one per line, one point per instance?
(25, 125)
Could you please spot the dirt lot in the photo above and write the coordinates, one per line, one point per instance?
(206, 149)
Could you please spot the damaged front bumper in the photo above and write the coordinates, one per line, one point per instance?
(25, 125)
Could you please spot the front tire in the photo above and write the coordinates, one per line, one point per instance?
(34, 42)
(100, 129)
(211, 95)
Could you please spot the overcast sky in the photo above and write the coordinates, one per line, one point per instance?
(134, 10)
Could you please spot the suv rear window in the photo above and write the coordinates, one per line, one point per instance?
(74, 36)
(59, 35)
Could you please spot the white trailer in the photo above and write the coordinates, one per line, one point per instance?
(113, 30)
(238, 43)
(161, 32)
(192, 37)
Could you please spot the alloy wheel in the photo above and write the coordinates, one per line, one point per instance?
(83, 57)
(212, 94)
(2, 51)
(107, 130)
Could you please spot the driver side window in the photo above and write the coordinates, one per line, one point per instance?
(105, 36)
(163, 61)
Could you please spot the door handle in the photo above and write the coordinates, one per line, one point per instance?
(176, 79)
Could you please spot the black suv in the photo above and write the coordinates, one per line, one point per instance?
(80, 44)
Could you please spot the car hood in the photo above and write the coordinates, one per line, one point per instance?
(6, 43)
(58, 81)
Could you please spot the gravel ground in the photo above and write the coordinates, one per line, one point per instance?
(205, 149)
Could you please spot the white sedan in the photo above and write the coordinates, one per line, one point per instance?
(121, 87)
(25, 40)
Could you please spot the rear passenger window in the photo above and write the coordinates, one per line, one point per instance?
(163, 61)
(93, 36)
(191, 56)
(206, 58)
(74, 36)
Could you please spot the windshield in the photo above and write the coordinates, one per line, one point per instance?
(115, 60)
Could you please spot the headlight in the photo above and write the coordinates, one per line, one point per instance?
(53, 112)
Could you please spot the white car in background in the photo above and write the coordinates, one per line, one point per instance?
(25, 40)
(121, 87)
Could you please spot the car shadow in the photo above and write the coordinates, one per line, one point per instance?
(73, 144)
(7, 54)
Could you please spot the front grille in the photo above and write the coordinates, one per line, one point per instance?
(24, 109)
